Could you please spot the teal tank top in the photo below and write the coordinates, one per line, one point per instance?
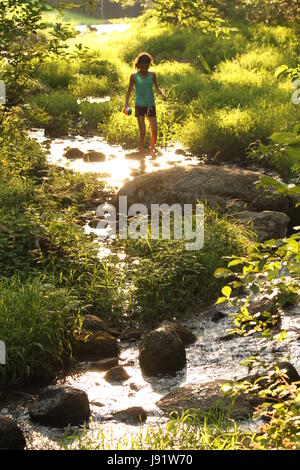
(144, 95)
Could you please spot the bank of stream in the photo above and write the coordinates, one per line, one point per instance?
(212, 356)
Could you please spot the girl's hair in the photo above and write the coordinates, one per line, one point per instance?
(143, 58)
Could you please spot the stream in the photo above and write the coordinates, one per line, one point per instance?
(209, 358)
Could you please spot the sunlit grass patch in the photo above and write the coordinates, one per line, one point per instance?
(36, 323)
(90, 85)
(72, 17)
(57, 74)
(190, 431)
(166, 278)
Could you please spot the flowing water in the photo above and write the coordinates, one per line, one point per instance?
(119, 166)
(209, 358)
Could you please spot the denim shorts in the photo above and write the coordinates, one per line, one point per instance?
(145, 111)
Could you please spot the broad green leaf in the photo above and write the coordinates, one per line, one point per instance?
(235, 262)
(280, 70)
(226, 291)
(285, 138)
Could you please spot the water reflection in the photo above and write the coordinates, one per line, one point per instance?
(119, 165)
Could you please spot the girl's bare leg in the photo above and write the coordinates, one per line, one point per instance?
(142, 127)
(153, 126)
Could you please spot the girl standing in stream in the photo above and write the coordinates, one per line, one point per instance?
(144, 99)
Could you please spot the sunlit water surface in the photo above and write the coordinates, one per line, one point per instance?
(209, 358)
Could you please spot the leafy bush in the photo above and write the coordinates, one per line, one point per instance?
(90, 85)
(56, 112)
(98, 66)
(57, 74)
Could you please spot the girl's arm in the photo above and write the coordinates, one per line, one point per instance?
(158, 89)
(131, 83)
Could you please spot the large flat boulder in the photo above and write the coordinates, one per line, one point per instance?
(267, 224)
(186, 335)
(204, 396)
(187, 184)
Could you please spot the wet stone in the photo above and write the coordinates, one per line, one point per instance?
(116, 374)
(134, 415)
(60, 406)
(97, 346)
(218, 316)
(11, 436)
(186, 335)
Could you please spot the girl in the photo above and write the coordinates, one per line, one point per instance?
(144, 100)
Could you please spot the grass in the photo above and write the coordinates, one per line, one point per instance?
(190, 431)
(43, 246)
(165, 279)
(35, 323)
(220, 111)
(235, 97)
(72, 17)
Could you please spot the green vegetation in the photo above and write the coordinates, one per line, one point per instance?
(224, 101)
(222, 86)
(36, 321)
(74, 18)
(271, 271)
(43, 248)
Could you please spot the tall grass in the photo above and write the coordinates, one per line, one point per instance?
(190, 431)
(165, 279)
